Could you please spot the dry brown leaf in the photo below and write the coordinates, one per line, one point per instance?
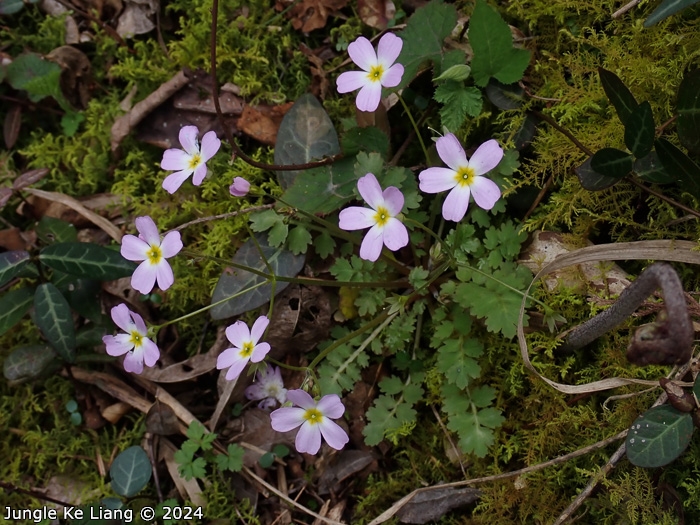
(13, 121)
(114, 412)
(376, 13)
(136, 18)
(5, 194)
(28, 178)
(113, 386)
(161, 420)
(75, 74)
(319, 78)
(189, 490)
(348, 463)
(432, 505)
(15, 239)
(313, 14)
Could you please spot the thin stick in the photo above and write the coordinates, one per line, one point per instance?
(625, 8)
(222, 216)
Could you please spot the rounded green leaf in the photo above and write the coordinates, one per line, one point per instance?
(76, 418)
(28, 362)
(130, 472)
(53, 316)
(649, 168)
(87, 260)
(13, 306)
(658, 436)
(266, 460)
(72, 405)
(11, 265)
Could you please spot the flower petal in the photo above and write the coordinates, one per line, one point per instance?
(331, 406)
(351, 80)
(151, 354)
(236, 368)
(389, 49)
(356, 218)
(362, 53)
(188, 139)
(210, 145)
(369, 96)
(301, 398)
(133, 362)
(259, 352)
(308, 438)
(370, 190)
(287, 418)
(255, 392)
(486, 192)
(238, 333)
(173, 181)
(333, 433)
(164, 275)
(240, 187)
(171, 244)
(148, 231)
(451, 151)
(227, 358)
(456, 203)
(175, 159)
(144, 277)
(139, 324)
(392, 76)
(117, 345)
(121, 315)
(199, 173)
(486, 157)
(395, 234)
(393, 200)
(133, 248)
(435, 180)
(259, 327)
(371, 246)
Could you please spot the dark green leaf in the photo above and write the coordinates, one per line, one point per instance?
(688, 107)
(591, 180)
(87, 260)
(50, 230)
(130, 472)
(83, 295)
(10, 7)
(233, 281)
(622, 99)
(12, 264)
(323, 190)
(649, 168)
(70, 122)
(305, 134)
(492, 43)
(658, 436)
(612, 162)
(666, 9)
(365, 139)
(55, 320)
(72, 405)
(639, 130)
(505, 96)
(458, 101)
(299, 240)
(266, 460)
(38, 77)
(13, 306)
(457, 72)
(680, 165)
(76, 418)
(28, 362)
(526, 133)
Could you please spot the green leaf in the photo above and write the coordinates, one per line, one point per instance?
(696, 387)
(264, 220)
(505, 96)
(298, 240)
(678, 163)
(390, 416)
(38, 77)
(13, 306)
(50, 230)
(72, 405)
(266, 460)
(621, 98)
(130, 472)
(87, 260)
(688, 107)
(199, 435)
(458, 102)
(323, 190)
(666, 9)
(28, 362)
(457, 72)
(305, 134)
(11, 265)
(10, 7)
(234, 281)
(590, 179)
(612, 162)
(233, 461)
(366, 139)
(423, 38)
(341, 369)
(639, 130)
(492, 43)
(70, 122)
(324, 244)
(649, 168)
(658, 436)
(53, 316)
(456, 359)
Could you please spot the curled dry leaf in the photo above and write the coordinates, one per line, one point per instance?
(308, 15)
(161, 420)
(137, 17)
(75, 75)
(113, 413)
(376, 13)
(262, 122)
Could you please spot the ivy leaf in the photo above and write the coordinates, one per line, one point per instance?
(12, 264)
(658, 436)
(53, 316)
(688, 107)
(13, 305)
(492, 43)
(86, 260)
(458, 102)
(678, 163)
(612, 162)
(621, 97)
(130, 472)
(666, 9)
(639, 130)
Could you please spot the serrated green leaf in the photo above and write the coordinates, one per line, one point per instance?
(482, 396)
(278, 234)
(233, 281)
(13, 306)
(456, 359)
(621, 98)
(298, 240)
(233, 460)
(38, 77)
(324, 244)
(492, 43)
(264, 220)
(130, 472)
(458, 102)
(639, 130)
(658, 436)
(86, 260)
(457, 72)
(612, 162)
(666, 9)
(12, 264)
(341, 369)
(423, 38)
(28, 362)
(591, 180)
(323, 190)
(53, 316)
(368, 163)
(688, 107)
(70, 122)
(367, 139)
(680, 165)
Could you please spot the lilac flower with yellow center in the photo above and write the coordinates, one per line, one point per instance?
(378, 70)
(314, 419)
(149, 248)
(245, 347)
(139, 349)
(193, 160)
(463, 177)
(268, 388)
(385, 227)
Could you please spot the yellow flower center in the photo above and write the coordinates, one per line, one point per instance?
(154, 255)
(247, 349)
(136, 339)
(375, 73)
(195, 160)
(382, 216)
(313, 416)
(465, 176)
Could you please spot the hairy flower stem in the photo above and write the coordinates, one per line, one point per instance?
(668, 341)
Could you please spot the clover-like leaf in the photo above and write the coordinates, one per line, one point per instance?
(130, 472)
(658, 436)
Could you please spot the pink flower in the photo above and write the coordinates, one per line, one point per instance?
(385, 228)
(240, 187)
(139, 349)
(464, 177)
(245, 347)
(315, 420)
(377, 71)
(149, 248)
(191, 160)
(268, 388)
